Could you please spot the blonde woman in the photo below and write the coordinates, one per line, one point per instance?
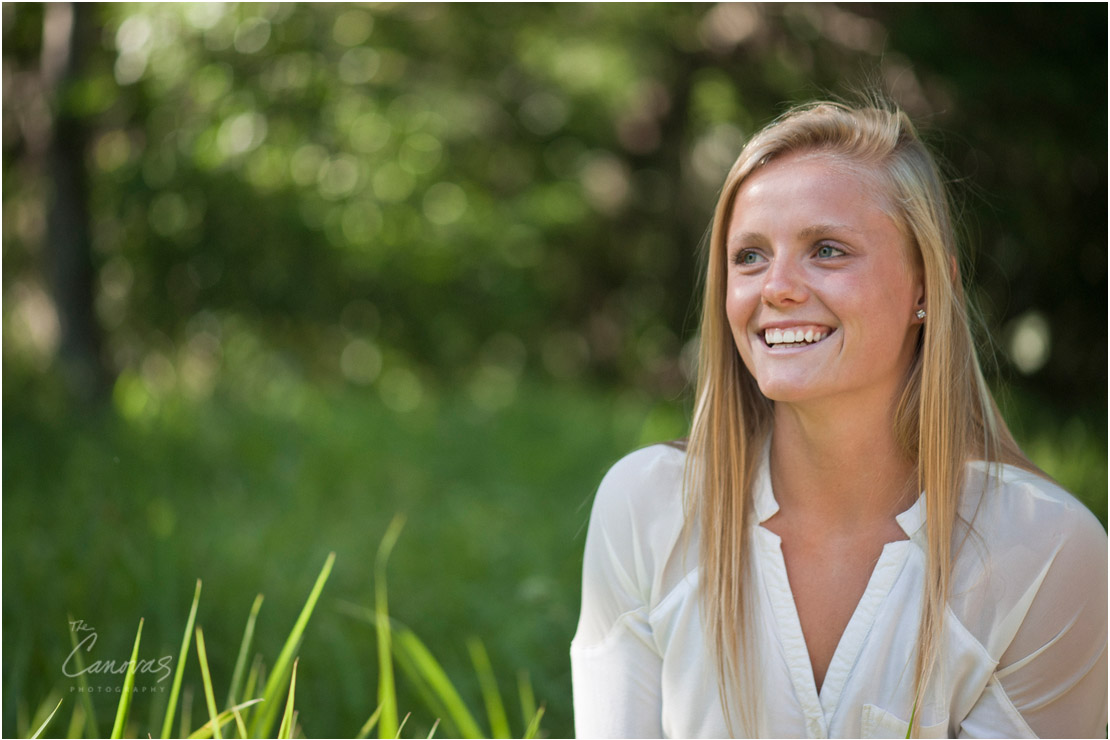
(850, 544)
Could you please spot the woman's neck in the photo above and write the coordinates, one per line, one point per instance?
(839, 470)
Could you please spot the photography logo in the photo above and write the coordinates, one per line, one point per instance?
(78, 664)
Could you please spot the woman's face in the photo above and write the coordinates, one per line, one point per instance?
(822, 287)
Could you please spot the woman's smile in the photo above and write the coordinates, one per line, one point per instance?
(802, 335)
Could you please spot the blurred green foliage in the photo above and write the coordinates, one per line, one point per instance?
(349, 260)
(455, 188)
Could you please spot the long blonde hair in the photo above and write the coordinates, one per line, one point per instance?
(945, 416)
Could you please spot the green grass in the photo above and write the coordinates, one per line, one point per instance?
(111, 516)
(423, 669)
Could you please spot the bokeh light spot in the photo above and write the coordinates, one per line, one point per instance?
(241, 133)
(1030, 342)
(543, 113)
(444, 203)
(420, 153)
(359, 65)
(304, 165)
(338, 177)
(361, 361)
(352, 27)
(251, 35)
(392, 183)
(369, 132)
(401, 390)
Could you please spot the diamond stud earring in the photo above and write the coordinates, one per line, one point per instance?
(920, 313)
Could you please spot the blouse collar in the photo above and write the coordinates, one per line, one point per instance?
(763, 497)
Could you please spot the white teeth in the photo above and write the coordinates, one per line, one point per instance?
(791, 336)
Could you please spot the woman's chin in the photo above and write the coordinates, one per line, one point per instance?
(783, 390)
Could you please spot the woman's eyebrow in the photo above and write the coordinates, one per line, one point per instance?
(809, 232)
(823, 229)
(745, 237)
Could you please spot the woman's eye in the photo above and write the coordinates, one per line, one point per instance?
(827, 250)
(748, 257)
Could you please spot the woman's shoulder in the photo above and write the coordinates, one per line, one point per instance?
(636, 516)
(652, 458)
(643, 481)
(639, 502)
(1009, 505)
(1023, 541)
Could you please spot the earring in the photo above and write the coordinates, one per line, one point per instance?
(920, 313)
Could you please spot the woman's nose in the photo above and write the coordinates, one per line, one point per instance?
(783, 283)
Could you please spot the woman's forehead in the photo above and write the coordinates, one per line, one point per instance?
(816, 177)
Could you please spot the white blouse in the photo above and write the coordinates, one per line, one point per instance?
(1024, 650)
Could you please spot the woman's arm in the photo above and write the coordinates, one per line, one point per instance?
(617, 683)
(615, 663)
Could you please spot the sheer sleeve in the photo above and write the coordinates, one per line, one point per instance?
(615, 664)
(1051, 679)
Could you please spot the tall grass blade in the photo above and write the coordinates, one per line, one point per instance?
(83, 682)
(427, 696)
(124, 706)
(42, 727)
(186, 712)
(491, 695)
(402, 725)
(76, 721)
(286, 729)
(234, 713)
(239, 724)
(431, 680)
(387, 690)
(206, 679)
(527, 696)
(432, 732)
(534, 725)
(913, 716)
(41, 714)
(264, 719)
(256, 676)
(175, 689)
(368, 726)
(244, 650)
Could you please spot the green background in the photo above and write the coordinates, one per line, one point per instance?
(273, 273)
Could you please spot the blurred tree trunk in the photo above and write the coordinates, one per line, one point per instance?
(67, 30)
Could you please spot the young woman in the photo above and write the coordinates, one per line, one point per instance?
(850, 544)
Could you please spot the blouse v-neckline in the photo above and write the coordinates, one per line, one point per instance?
(820, 706)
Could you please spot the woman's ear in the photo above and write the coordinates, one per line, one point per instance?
(919, 287)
